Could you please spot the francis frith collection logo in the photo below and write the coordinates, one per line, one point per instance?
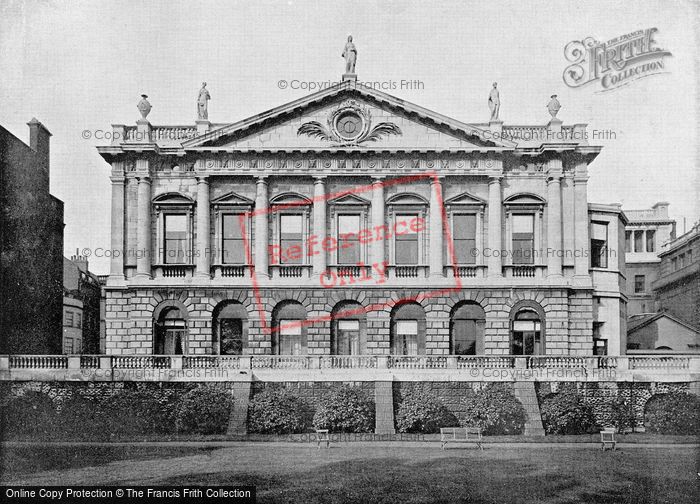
(615, 63)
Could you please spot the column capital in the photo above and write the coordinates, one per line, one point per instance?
(117, 179)
(145, 179)
(202, 179)
(438, 179)
(262, 180)
(378, 179)
(495, 178)
(320, 179)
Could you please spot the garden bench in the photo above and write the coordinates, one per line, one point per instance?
(607, 437)
(322, 436)
(460, 435)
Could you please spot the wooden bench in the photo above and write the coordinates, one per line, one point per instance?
(322, 436)
(607, 437)
(460, 435)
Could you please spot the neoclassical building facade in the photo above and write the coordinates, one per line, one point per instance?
(351, 222)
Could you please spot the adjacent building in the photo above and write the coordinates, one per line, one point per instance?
(81, 307)
(647, 231)
(677, 288)
(31, 246)
(351, 222)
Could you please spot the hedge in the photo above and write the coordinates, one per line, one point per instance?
(495, 410)
(675, 413)
(345, 409)
(277, 411)
(421, 411)
(204, 410)
(566, 412)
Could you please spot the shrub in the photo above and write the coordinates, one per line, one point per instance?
(674, 413)
(32, 413)
(495, 410)
(82, 417)
(622, 414)
(345, 409)
(204, 410)
(567, 413)
(277, 411)
(421, 411)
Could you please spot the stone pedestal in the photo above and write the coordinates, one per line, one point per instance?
(143, 130)
(203, 126)
(350, 77)
(496, 127)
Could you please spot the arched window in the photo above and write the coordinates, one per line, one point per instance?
(408, 329)
(467, 329)
(170, 332)
(288, 329)
(230, 329)
(527, 336)
(348, 329)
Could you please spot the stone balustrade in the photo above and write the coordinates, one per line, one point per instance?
(669, 368)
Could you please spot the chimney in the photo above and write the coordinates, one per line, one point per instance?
(661, 209)
(39, 140)
(80, 261)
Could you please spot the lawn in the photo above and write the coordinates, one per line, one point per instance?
(379, 472)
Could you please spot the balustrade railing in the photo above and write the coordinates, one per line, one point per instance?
(348, 361)
(141, 362)
(280, 362)
(417, 362)
(556, 361)
(39, 361)
(485, 361)
(659, 362)
(211, 361)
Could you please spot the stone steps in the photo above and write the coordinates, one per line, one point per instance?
(525, 393)
(238, 421)
(384, 407)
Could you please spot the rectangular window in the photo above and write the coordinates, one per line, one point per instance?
(69, 319)
(651, 241)
(291, 238)
(232, 246)
(348, 337)
(639, 284)
(690, 256)
(599, 245)
(464, 236)
(175, 249)
(674, 264)
(406, 337)
(349, 239)
(681, 261)
(79, 320)
(290, 337)
(638, 241)
(406, 240)
(523, 239)
(230, 336)
(628, 241)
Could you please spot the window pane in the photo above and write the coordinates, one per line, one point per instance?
(290, 337)
(175, 238)
(349, 325)
(231, 226)
(628, 241)
(599, 231)
(406, 327)
(523, 249)
(348, 239)
(639, 281)
(523, 223)
(231, 336)
(406, 243)
(524, 325)
(348, 337)
(464, 337)
(233, 252)
(464, 226)
(651, 241)
(465, 251)
(291, 226)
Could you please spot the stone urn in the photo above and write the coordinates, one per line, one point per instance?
(553, 106)
(144, 106)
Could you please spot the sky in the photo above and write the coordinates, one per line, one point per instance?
(83, 65)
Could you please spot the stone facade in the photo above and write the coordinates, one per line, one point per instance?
(433, 165)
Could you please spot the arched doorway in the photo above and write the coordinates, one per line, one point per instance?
(170, 332)
(408, 329)
(288, 329)
(467, 322)
(348, 329)
(230, 329)
(526, 333)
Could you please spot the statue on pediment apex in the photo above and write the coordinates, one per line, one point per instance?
(203, 103)
(350, 55)
(494, 102)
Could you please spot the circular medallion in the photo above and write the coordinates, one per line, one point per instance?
(348, 125)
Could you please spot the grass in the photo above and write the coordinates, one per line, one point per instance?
(378, 473)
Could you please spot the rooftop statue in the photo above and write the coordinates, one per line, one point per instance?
(203, 103)
(350, 55)
(494, 102)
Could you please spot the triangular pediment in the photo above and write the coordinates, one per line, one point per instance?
(232, 199)
(465, 199)
(348, 199)
(348, 117)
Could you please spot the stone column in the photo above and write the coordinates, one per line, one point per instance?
(116, 263)
(494, 244)
(318, 261)
(436, 235)
(203, 228)
(261, 230)
(567, 195)
(581, 244)
(377, 219)
(143, 232)
(554, 228)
